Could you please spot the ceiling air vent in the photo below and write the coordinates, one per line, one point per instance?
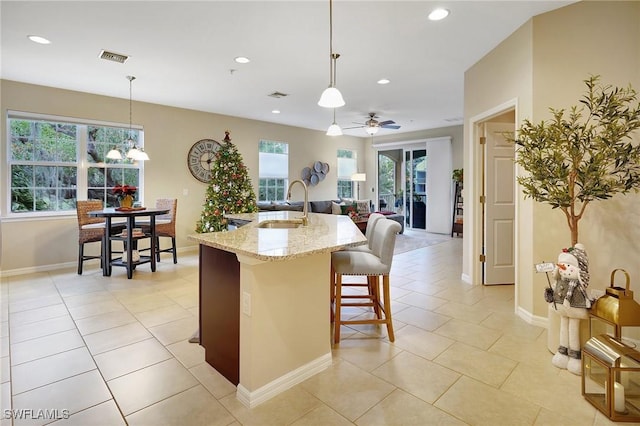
(278, 95)
(115, 57)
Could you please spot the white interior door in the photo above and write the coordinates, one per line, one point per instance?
(499, 250)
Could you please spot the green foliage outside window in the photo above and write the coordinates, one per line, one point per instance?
(45, 160)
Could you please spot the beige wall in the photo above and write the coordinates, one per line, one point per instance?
(169, 133)
(543, 65)
(501, 79)
(610, 230)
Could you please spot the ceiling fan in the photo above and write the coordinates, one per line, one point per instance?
(371, 126)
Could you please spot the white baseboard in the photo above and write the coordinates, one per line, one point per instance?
(532, 319)
(281, 384)
(36, 269)
(466, 278)
(74, 264)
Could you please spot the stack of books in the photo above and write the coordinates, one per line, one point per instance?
(137, 232)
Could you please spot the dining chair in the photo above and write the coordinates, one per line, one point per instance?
(165, 226)
(90, 229)
(372, 265)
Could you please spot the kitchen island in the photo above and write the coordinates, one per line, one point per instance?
(264, 299)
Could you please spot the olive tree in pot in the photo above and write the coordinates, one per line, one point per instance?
(583, 154)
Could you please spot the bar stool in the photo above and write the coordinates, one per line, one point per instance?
(371, 224)
(372, 265)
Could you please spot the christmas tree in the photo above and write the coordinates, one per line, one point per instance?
(229, 190)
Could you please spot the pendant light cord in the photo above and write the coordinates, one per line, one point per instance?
(331, 58)
(130, 78)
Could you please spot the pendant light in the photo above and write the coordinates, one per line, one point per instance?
(334, 129)
(134, 153)
(331, 97)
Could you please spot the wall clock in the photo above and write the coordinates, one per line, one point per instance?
(201, 157)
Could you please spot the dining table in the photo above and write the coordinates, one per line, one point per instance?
(130, 240)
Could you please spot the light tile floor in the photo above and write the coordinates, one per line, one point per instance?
(115, 351)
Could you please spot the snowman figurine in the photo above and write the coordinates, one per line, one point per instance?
(571, 278)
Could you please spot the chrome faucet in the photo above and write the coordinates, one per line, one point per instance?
(305, 207)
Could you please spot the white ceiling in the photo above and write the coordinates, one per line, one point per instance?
(182, 54)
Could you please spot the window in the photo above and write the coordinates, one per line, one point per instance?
(273, 168)
(54, 161)
(347, 166)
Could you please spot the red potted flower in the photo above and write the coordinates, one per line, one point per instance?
(125, 193)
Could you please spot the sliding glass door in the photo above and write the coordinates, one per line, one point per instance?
(415, 187)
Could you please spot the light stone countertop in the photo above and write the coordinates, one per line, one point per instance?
(324, 233)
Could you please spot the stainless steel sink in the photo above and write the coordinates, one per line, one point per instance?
(280, 224)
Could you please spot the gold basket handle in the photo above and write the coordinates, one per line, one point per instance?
(626, 274)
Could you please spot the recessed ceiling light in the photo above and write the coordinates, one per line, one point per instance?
(276, 111)
(438, 14)
(38, 39)
(384, 81)
(242, 60)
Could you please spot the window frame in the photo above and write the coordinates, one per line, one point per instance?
(267, 177)
(344, 179)
(81, 164)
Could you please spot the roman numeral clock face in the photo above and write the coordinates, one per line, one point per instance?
(201, 157)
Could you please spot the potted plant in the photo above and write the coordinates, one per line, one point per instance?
(457, 176)
(124, 194)
(584, 154)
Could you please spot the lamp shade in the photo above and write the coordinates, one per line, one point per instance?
(371, 130)
(114, 154)
(142, 156)
(334, 130)
(137, 154)
(359, 177)
(331, 98)
(133, 153)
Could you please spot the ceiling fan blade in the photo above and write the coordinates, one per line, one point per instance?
(356, 127)
(390, 126)
(384, 123)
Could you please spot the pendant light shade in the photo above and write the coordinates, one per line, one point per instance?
(142, 156)
(114, 154)
(334, 129)
(331, 97)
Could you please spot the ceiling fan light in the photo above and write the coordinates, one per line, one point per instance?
(331, 98)
(334, 130)
(114, 154)
(371, 130)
